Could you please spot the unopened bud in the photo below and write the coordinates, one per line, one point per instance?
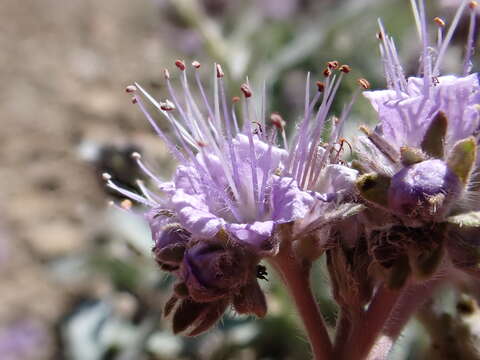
(472, 5)
(235, 99)
(327, 72)
(196, 64)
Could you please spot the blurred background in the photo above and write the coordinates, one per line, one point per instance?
(76, 278)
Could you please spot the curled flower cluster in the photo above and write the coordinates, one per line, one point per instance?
(234, 188)
(400, 218)
(420, 162)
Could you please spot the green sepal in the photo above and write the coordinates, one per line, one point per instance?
(399, 273)
(410, 155)
(374, 187)
(433, 142)
(469, 219)
(462, 158)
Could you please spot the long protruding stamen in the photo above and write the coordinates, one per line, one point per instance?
(426, 59)
(223, 194)
(235, 100)
(216, 103)
(448, 37)
(416, 16)
(389, 62)
(263, 111)
(147, 193)
(235, 184)
(138, 159)
(402, 82)
(303, 129)
(317, 131)
(233, 156)
(320, 120)
(266, 175)
(108, 178)
(467, 63)
(279, 124)
(317, 168)
(440, 26)
(196, 65)
(171, 147)
(294, 155)
(392, 67)
(184, 135)
(253, 159)
(187, 119)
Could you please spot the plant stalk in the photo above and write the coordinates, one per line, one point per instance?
(296, 277)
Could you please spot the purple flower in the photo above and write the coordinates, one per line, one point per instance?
(423, 151)
(416, 185)
(233, 187)
(420, 163)
(233, 176)
(21, 340)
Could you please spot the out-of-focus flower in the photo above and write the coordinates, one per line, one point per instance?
(233, 187)
(21, 340)
(419, 162)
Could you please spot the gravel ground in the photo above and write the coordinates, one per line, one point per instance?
(64, 65)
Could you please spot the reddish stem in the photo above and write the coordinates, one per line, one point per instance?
(367, 330)
(296, 277)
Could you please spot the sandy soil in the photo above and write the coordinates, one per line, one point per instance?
(64, 65)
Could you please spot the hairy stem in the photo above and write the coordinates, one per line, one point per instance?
(344, 325)
(412, 298)
(296, 277)
(366, 332)
(349, 319)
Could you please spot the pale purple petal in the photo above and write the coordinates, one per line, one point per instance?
(337, 178)
(194, 214)
(288, 201)
(404, 118)
(257, 234)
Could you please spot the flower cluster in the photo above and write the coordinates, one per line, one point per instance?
(420, 161)
(405, 209)
(233, 189)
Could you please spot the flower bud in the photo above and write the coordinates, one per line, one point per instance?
(213, 271)
(424, 189)
(251, 300)
(170, 244)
